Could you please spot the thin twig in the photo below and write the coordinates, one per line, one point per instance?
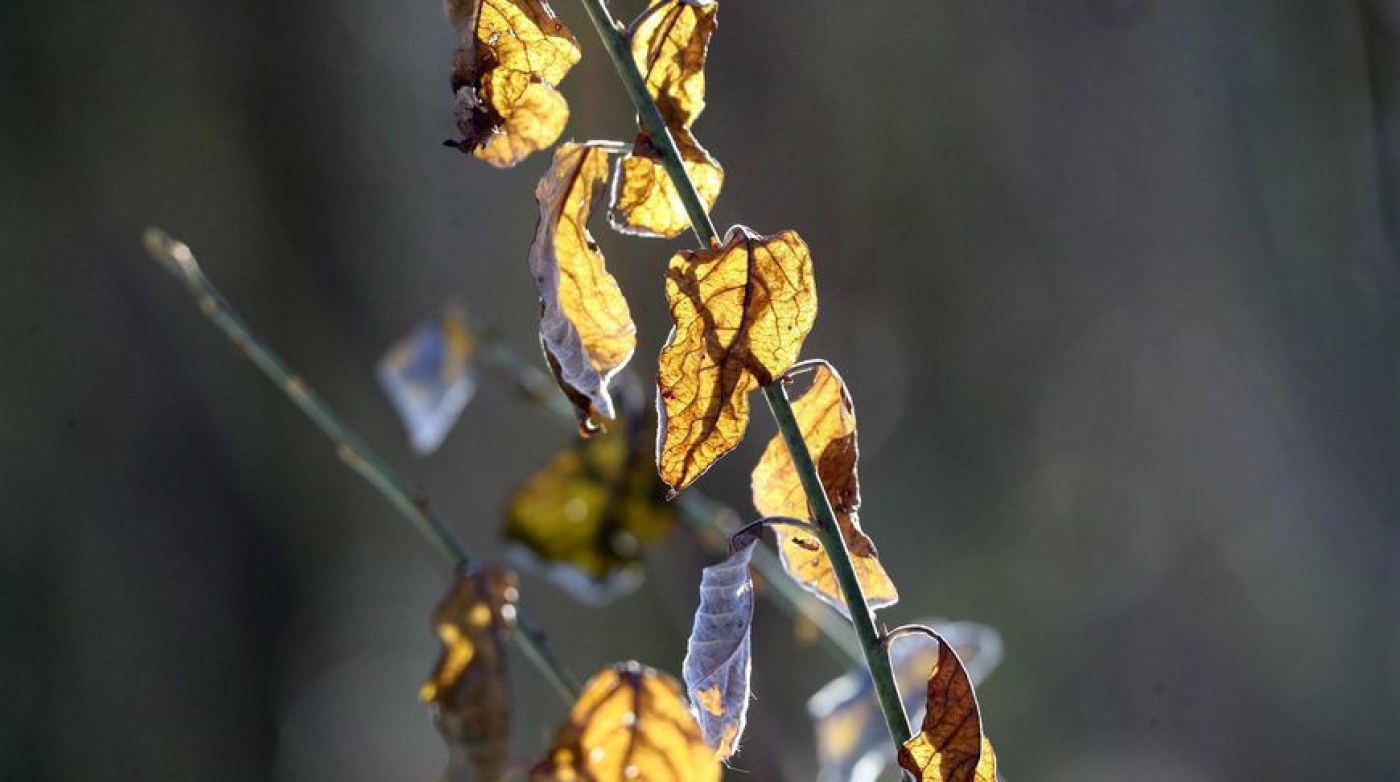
(890, 635)
(654, 125)
(176, 257)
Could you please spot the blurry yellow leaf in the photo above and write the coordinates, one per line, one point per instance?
(585, 518)
(853, 744)
(629, 725)
(828, 422)
(741, 311)
(429, 378)
(511, 55)
(644, 200)
(717, 658)
(585, 327)
(669, 43)
(469, 691)
(950, 745)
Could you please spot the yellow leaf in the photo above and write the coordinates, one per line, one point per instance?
(585, 327)
(629, 725)
(670, 43)
(828, 421)
(587, 516)
(469, 691)
(645, 201)
(511, 55)
(950, 745)
(741, 311)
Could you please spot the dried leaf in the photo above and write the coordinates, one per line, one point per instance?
(828, 421)
(429, 378)
(511, 56)
(717, 659)
(586, 517)
(644, 200)
(586, 329)
(949, 745)
(670, 43)
(469, 691)
(741, 311)
(629, 725)
(852, 741)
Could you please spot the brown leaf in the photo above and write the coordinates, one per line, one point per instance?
(586, 329)
(950, 746)
(511, 55)
(741, 311)
(629, 725)
(588, 515)
(828, 421)
(469, 691)
(644, 200)
(670, 43)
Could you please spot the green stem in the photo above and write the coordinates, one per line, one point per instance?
(176, 257)
(876, 655)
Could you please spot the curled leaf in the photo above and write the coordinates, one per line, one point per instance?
(469, 691)
(741, 311)
(717, 658)
(670, 42)
(586, 330)
(828, 421)
(429, 379)
(511, 56)
(852, 741)
(949, 746)
(645, 201)
(629, 724)
(585, 518)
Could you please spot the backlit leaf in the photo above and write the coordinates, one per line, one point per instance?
(828, 421)
(949, 746)
(853, 744)
(741, 311)
(511, 56)
(585, 327)
(644, 200)
(469, 692)
(586, 517)
(428, 377)
(629, 725)
(718, 659)
(669, 44)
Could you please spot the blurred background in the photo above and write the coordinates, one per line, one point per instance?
(1114, 283)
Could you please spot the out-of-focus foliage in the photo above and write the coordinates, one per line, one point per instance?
(853, 744)
(630, 723)
(828, 421)
(718, 657)
(469, 690)
(741, 311)
(670, 42)
(950, 745)
(429, 378)
(586, 329)
(512, 55)
(586, 517)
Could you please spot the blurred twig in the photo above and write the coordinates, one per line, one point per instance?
(176, 257)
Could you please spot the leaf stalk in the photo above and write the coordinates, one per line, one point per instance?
(876, 656)
(176, 257)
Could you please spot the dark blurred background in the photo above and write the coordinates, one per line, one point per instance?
(1114, 283)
